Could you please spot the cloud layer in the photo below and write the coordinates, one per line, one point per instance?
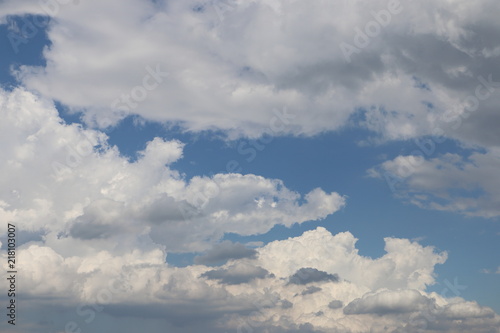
(228, 64)
(254, 294)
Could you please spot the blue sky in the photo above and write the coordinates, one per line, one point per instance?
(226, 70)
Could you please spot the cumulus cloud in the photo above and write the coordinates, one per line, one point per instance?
(101, 226)
(105, 245)
(153, 210)
(205, 57)
(243, 294)
(284, 258)
(45, 160)
(466, 309)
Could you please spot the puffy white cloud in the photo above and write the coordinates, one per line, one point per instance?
(201, 65)
(228, 65)
(361, 304)
(405, 265)
(467, 185)
(424, 73)
(68, 183)
(247, 293)
(466, 309)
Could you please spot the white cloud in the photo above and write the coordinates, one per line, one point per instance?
(231, 64)
(425, 73)
(106, 223)
(466, 309)
(248, 293)
(69, 183)
(338, 253)
(449, 182)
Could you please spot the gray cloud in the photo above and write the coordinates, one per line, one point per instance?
(286, 304)
(24, 237)
(335, 304)
(225, 251)
(448, 182)
(311, 290)
(166, 209)
(307, 275)
(91, 230)
(99, 220)
(236, 274)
